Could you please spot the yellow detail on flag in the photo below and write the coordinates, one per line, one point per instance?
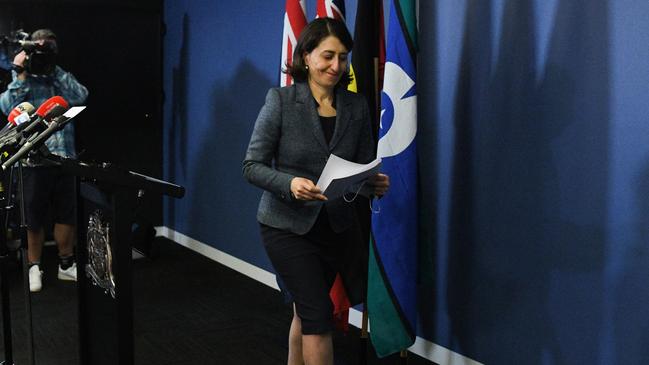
(352, 85)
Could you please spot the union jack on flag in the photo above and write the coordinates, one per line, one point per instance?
(294, 22)
(331, 9)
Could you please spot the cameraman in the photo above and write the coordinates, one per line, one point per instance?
(36, 78)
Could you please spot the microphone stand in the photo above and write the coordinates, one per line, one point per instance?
(7, 205)
(4, 283)
(25, 263)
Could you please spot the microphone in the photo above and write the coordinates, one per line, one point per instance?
(47, 104)
(51, 108)
(37, 139)
(51, 103)
(16, 137)
(20, 114)
(44, 120)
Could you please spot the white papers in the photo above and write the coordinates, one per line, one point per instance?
(72, 112)
(340, 176)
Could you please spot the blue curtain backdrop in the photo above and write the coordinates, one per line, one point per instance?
(534, 152)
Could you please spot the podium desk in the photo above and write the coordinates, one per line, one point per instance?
(107, 197)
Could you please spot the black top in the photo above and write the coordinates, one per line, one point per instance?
(328, 126)
(328, 123)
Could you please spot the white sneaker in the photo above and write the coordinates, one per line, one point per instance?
(35, 281)
(69, 274)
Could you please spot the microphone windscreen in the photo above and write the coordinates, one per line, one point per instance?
(59, 100)
(20, 112)
(55, 111)
(51, 103)
(26, 107)
(12, 116)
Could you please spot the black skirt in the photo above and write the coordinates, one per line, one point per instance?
(307, 266)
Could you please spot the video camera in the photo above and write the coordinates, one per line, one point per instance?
(40, 57)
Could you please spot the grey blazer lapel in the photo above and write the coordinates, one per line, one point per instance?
(305, 98)
(343, 114)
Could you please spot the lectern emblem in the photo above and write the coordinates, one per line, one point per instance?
(100, 260)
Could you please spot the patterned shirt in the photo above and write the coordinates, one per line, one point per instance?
(36, 90)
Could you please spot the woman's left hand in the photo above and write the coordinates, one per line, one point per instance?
(381, 184)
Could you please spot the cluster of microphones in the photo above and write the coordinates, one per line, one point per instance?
(29, 128)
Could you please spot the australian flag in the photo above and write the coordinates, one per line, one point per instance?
(331, 9)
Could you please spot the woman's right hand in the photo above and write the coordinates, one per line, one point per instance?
(305, 189)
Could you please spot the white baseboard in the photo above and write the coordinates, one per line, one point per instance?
(221, 257)
(421, 347)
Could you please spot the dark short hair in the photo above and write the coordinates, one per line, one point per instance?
(311, 36)
(46, 35)
(43, 34)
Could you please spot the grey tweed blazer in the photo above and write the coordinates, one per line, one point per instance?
(287, 142)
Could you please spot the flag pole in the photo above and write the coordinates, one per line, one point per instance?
(365, 320)
(403, 357)
(362, 358)
(377, 100)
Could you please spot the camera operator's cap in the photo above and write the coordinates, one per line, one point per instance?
(45, 34)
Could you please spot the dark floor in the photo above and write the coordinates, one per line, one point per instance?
(188, 310)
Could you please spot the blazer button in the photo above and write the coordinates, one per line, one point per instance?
(283, 196)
